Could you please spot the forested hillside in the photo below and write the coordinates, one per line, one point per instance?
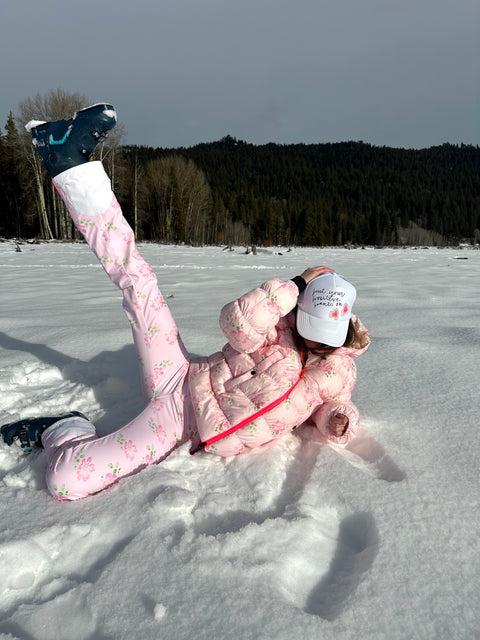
(338, 193)
(232, 192)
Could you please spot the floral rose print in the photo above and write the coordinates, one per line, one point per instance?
(310, 398)
(109, 226)
(171, 337)
(158, 371)
(158, 430)
(84, 466)
(105, 260)
(278, 427)
(151, 331)
(151, 455)
(158, 302)
(156, 404)
(112, 475)
(145, 270)
(129, 449)
(140, 297)
(83, 223)
(62, 492)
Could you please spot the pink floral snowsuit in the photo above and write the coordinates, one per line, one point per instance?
(212, 395)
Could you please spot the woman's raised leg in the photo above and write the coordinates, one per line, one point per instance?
(96, 213)
(81, 463)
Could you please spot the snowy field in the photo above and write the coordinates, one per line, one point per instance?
(295, 540)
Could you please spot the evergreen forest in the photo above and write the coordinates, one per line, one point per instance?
(232, 192)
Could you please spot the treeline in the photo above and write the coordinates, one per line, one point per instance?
(231, 192)
(333, 194)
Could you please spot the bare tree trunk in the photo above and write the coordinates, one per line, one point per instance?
(179, 198)
(45, 229)
(135, 195)
(65, 220)
(112, 167)
(57, 222)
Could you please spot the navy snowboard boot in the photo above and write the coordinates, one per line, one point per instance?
(28, 431)
(64, 144)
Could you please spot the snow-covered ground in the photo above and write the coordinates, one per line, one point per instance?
(295, 540)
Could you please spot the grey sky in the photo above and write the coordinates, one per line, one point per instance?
(402, 73)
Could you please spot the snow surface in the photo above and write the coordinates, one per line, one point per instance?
(294, 540)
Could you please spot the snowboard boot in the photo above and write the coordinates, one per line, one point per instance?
(28, 431)
(64, 144)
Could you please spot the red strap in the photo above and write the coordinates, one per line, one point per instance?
(256, 415)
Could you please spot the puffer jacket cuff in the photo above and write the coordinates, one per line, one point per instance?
(300, 282)
(327, 411)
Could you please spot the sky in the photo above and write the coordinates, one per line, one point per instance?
(180, 72)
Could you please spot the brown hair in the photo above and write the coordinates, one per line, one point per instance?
(351, 335)
(357, 335)
(356, 338)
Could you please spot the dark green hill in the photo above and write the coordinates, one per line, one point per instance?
(342, 192)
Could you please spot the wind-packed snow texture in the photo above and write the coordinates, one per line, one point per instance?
(295, 540)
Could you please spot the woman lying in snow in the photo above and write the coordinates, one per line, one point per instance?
(289, 357)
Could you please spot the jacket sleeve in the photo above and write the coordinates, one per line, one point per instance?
(248, 321)
(323, 415)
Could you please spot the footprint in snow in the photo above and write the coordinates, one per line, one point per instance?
(357, 546)
(42, 567)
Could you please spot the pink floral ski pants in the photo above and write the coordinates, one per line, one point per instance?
(79, 462)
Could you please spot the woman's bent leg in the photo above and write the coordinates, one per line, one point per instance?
(80, 463)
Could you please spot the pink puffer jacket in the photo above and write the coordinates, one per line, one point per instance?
(259, 365)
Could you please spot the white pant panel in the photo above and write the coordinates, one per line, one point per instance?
(86, 188)
(66, 429)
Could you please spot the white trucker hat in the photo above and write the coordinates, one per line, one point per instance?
(325, 308)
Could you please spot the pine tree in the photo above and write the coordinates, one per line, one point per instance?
(14, 182)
